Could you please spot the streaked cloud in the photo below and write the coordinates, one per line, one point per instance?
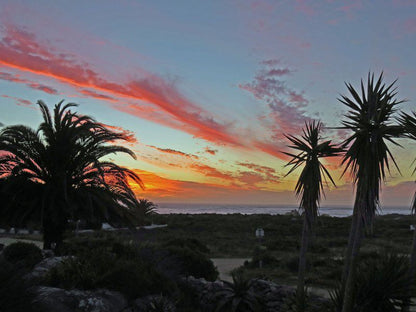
(174, 152)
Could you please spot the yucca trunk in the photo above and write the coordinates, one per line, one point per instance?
(412, 263)
(349, 288)
(347, 259)
(302, 262)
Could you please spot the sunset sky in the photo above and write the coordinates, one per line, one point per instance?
(205, 90)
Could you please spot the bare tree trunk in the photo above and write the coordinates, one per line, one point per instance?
(348, 302)
(302, 264)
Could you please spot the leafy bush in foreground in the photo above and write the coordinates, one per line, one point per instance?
(194, 263)
(238, 296)
(14, 292)
(382, 285)
(26, 254)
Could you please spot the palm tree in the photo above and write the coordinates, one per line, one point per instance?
(310, 184)
(57, 172)
(409, 125)
(370, 118)
(147, 207)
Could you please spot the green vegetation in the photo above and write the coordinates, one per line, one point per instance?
(136, 270)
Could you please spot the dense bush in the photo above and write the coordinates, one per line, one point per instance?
(136, 279)
(382, 285)
(81, 272)
(84, 244)
(194, 263)
(265, 256)
(190, 243)
(14, 291)
(26, 254)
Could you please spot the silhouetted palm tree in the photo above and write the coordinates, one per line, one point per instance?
(57, 172)
(310, 184)
(147, 207)
(370, 118)
(409, 125)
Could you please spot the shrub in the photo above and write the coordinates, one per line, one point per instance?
(382, 285)
(26, 254)
(81, 272)
(14, 293)
(136, 279)
(237, 296)
(194, 263)
(84, 244)
(265, 256)
(190, 243)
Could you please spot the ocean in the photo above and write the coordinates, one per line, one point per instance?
(176, 208)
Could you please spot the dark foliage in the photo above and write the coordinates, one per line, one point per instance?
(24, 254)
(238, 296)
(382, 285)
(15, 295)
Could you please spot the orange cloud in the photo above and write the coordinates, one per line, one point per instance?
(211, 151)
(129, 135)
(173, 152)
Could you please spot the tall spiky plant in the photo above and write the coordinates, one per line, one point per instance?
(310, 185)
(57, 172)
(371, 120)
(409, 126)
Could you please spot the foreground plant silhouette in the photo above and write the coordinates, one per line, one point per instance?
(57, 172)
(408, 123)
(310, 185)
(238, 296)
(370, 118)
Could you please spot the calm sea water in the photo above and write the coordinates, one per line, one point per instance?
(165, 208)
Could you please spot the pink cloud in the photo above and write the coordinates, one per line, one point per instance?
(19, 101)
(20, 50)
(287, 106)
(34, 85)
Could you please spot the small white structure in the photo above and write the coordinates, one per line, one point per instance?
(259, 233)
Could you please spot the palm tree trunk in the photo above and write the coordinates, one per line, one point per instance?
(348, 302)
(302, 263)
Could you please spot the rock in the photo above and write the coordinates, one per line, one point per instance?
(50, 299)
(42, 268)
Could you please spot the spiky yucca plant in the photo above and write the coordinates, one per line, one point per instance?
(309, 187)
(371, 120)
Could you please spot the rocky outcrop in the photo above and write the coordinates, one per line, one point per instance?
(42, 268)
(50, 299)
